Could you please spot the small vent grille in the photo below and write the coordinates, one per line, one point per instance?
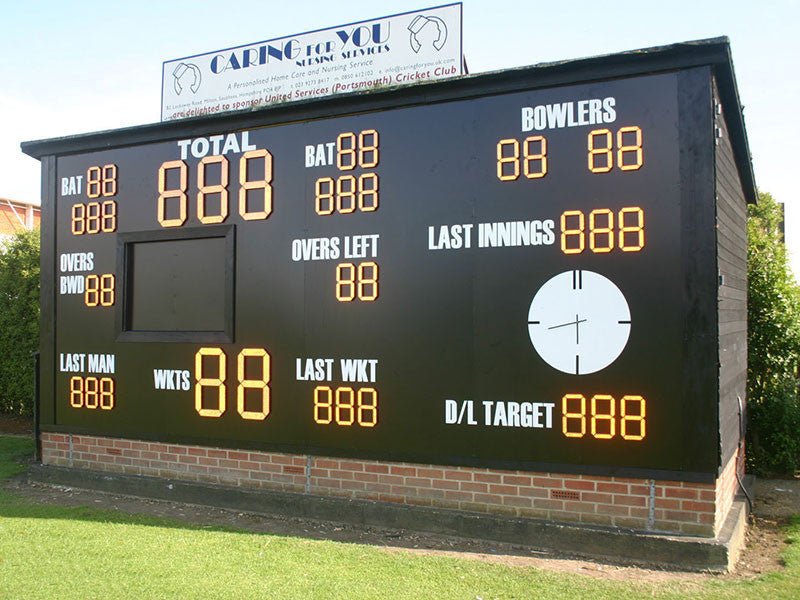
(565, 495)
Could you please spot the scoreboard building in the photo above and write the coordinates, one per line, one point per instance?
(515, 296)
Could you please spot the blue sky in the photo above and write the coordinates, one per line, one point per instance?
(74, 67)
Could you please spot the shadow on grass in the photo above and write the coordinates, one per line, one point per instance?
(14, 452)
(14, 506)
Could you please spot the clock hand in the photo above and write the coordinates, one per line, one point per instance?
(575, 322)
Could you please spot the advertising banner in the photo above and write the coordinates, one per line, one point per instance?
(384, 52)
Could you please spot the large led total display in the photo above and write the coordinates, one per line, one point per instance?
(492, 281)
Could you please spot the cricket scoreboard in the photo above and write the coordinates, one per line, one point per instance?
(478, 277)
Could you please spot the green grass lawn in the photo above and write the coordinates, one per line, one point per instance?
(58, 552)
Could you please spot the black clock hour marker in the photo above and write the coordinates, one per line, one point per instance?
(577, 280)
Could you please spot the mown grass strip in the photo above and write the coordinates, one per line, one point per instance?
(64, 552)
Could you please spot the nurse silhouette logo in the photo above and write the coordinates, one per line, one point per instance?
(431, 28)
(180, 75)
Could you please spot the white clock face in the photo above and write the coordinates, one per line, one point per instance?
(579, 322)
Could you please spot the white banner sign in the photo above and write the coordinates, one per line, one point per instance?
(396, 50)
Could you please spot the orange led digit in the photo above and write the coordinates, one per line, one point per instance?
(368, 148)
(93, 217)
(603, 423)
(594, 151)
(569, 417)
(625, 238)
(635, 148)
(106, 393)
(568, 247)
(108, 216)
(76, 392)
(107, 290)
(635, 421)
(93, 182)
(533, 157)
(99, 290)
(346, 151)
(345, 403)
(101, 182)
(78, 219)
(91, 392)
(109, 181)
(367, 281)
(220, 188)
(637, 229)
(90, 395)
(607, 230)
(632, 417)
(367, 407)
(346, 194)
(368, 195)
(245, 185)
(258, 384)
(345, 282)
(346, 190)
(323, 401)
(91, 294)
(212, 382)
(503, 160)
(350, 407)
(164, 194)
(323, 201)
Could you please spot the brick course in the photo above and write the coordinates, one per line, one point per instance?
(692, 508)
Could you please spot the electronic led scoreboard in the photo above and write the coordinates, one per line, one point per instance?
(501, 271)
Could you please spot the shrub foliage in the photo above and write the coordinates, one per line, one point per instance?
(773, 337)
(19, 320)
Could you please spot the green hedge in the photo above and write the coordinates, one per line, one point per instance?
(773, 338)
(19, 320)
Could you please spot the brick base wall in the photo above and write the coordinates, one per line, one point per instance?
(727, 487)
(642, 504)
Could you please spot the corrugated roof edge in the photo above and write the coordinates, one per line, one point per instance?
(714, 52)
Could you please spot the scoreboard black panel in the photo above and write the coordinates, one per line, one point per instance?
(491, 280)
